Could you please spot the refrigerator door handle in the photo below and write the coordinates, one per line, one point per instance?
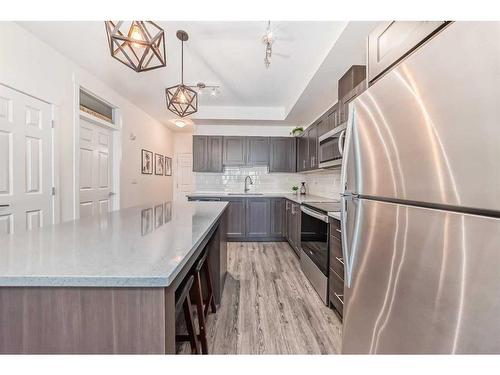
(345, 147)
(343, 229)
(349, 252)
(341, 143)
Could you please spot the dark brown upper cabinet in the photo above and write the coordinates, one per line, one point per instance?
(214, 151)
(282, 154)
(235, 151)
(331, 119)
(303, 152)
(312, 137)
(354, 76)
(257, 150)
(322, 125)
(207, 153)
(352, 83)
(344, 102)
(200, 153)
(393, 40)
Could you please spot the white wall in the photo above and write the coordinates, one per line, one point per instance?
(29, 65)
(243, 130)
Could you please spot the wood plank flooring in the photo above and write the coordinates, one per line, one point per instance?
(269, 307)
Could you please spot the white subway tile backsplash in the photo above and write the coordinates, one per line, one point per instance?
(325, 183)
(232, 180)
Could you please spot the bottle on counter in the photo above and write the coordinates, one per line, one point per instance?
(303, 188)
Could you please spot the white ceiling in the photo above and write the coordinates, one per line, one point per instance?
(229, 54)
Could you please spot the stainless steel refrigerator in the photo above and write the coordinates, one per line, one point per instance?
(421, 201)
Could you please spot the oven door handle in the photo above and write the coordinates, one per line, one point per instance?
(314, 214)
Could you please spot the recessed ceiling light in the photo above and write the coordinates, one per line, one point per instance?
(180, 123)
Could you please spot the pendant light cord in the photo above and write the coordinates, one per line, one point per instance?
(182, 62)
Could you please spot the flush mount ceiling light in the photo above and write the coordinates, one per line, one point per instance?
(181, 99)
(180, 123)
(138, 44)
(268, 40)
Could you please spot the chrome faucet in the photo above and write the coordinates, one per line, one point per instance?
(251, 183)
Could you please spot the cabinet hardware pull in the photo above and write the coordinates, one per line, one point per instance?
(340, 297)
(4, 205)
(341, 260)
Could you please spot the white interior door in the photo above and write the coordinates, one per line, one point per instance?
(96, 144)
(26, 200)
(184, 175)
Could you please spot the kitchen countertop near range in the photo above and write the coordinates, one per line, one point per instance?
(297, 198)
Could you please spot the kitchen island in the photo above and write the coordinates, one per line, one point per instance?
(106, 284)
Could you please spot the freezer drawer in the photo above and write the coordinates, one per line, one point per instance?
(423, 281)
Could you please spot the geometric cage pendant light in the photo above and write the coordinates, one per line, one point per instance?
(138, 44)
(181, 99)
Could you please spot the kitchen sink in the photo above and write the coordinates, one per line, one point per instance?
(245, 194)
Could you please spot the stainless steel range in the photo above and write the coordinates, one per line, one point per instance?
(314, 236)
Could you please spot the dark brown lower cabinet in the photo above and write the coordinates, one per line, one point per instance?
(258, 218)
(293, 225)
(278, 218)
(236, 218)
(336, 274)
(254, 219)
(336, 292)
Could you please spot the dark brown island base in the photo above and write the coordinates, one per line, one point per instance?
(64, 290)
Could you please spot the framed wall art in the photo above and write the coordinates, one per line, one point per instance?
(159, 164)
(168, 166)
(147, 162)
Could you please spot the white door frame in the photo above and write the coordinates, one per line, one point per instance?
(116, 149)
(56, 198)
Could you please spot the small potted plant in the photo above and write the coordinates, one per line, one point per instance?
(295, 189)
(297, 131)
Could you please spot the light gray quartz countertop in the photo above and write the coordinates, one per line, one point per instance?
(297, 198)
(144, 246)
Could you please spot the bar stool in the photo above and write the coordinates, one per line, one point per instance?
(182, 301)
(203, 305)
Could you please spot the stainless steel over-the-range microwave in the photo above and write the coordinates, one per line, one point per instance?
(331, 147)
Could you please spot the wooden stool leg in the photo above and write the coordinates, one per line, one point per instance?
(211, 299)
(201, 315)
(188, 315)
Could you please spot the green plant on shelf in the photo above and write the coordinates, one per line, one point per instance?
(295, 189)
(298, 130)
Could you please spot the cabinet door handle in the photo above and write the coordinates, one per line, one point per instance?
(340, 297)
(4, 205)
(341, 260)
